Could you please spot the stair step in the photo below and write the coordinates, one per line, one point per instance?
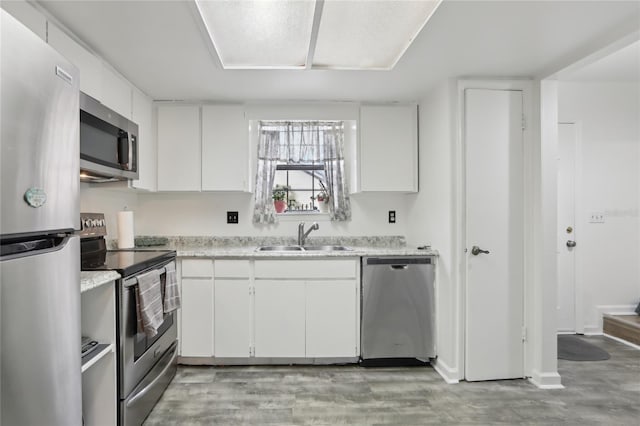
(625, 327)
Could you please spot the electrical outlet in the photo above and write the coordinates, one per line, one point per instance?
(232, 217)
(392, 216)
(596, 217)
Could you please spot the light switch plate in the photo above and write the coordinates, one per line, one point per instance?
(232, 217)
(596, 217)
(392, 216)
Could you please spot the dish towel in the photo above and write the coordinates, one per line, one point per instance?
(149, 302)
(171, 290)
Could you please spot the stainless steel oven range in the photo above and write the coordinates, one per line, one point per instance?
(145, 365)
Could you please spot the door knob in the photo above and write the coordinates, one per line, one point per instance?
(571, 243)
(475, 250)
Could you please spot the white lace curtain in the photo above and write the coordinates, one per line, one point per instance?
(298, 142)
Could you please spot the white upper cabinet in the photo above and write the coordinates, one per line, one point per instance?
(116, 92)
(388, 148)
(206, 151)
(179, 148)
(225, 149)
(97, 79)
(90, 66)
(142, 115)
(28, 15)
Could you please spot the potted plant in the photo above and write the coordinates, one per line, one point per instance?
(279, 196)
(323, 201)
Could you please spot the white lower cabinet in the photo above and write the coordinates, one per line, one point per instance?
(307, 308)
(279, 319)
(331, 318)
(270, 309)
(232, 323)
(197, 317)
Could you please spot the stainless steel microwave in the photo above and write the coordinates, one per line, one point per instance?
(108, 143)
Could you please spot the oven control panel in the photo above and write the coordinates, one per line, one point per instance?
(92, 225)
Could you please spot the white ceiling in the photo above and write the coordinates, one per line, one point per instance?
(160, 46)
(622, 66)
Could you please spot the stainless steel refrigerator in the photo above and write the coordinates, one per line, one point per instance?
(41, 382)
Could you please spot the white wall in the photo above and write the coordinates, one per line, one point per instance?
(431, 215)
(608, 254)
(202, 214)
(205, 214)
(104, 198)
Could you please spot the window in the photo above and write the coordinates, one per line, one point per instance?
(300, 163)
(301, 183)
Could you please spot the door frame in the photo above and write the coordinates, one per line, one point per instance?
(526, 86)
(577, 207)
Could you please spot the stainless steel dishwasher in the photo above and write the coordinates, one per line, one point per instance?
(398, 309)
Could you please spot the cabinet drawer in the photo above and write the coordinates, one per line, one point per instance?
(232, 269)
(306, 269)
(197, 268)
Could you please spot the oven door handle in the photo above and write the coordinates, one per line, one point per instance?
(144, 391)
(130, 282)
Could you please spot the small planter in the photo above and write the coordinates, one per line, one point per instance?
(323, 203)
(280, 205)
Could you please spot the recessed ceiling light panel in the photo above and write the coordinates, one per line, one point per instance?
(259, 34)
(366, 34)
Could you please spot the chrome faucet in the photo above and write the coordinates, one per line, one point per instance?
(303, 235)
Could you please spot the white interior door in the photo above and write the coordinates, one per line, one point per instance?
(493, 137)
(567, 139)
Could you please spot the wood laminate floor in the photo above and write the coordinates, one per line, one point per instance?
(596, 393)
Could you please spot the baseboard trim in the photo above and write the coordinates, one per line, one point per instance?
(450, 375)
(546, 380)
(266, 361)
(617, 339)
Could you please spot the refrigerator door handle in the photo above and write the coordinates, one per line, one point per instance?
(35, 247)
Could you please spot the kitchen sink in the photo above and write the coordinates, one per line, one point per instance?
(327, 248)
(280, 248)
(307, 248)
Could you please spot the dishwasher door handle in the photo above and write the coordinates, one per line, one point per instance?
(399, 267)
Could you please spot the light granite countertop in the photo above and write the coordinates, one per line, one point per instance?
(92, 279)
(252, 253)
(246, 247)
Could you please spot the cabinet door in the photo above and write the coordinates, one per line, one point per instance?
(279, 318)
(142, 115)
(178, 148)
(28, 15)
(232, 318)
(331, 319)
(116, 92)
(197, 317)
(90, 66)
(225, 148)
(388, 159)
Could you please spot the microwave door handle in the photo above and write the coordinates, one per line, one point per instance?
(132, 147)
(124, 150)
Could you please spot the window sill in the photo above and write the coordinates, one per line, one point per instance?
(295, 216)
